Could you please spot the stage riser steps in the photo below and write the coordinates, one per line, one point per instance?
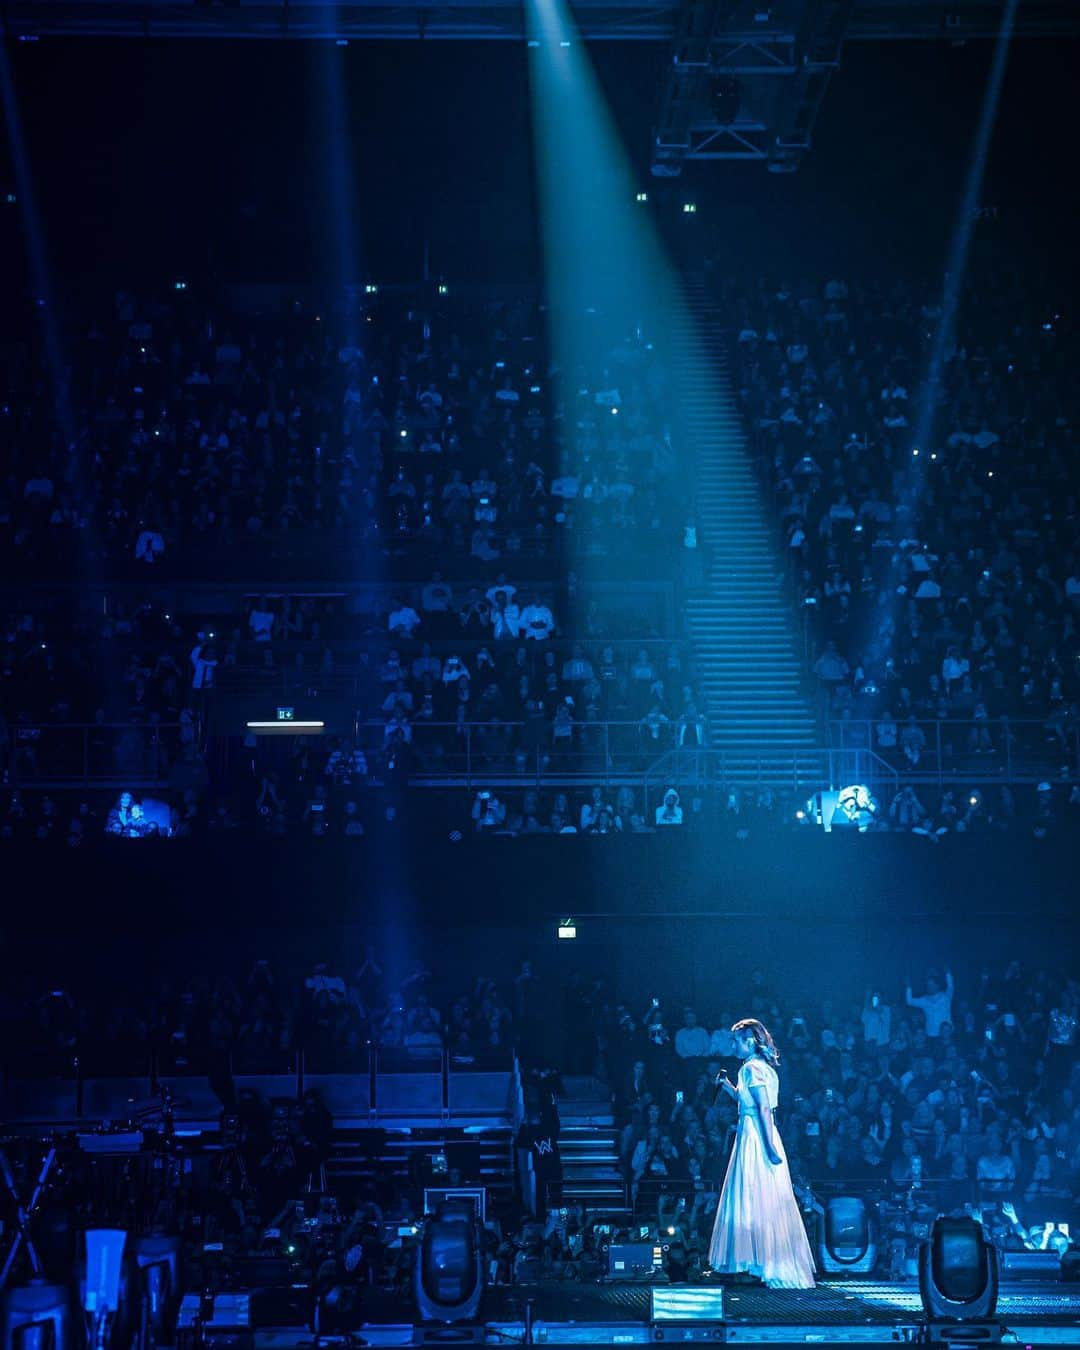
(590, 1162)
(368, 1157)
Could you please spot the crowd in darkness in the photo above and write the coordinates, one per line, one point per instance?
(422, 421)
(433, 442)
(443, 455)
(938, 555)
(256, 1020)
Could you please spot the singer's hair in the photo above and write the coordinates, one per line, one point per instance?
(764, 1044)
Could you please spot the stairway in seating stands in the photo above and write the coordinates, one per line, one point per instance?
(739, 621)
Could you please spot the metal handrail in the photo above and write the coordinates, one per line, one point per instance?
(1003, 749)
(598, 752)
(794, 770)
(595, 752)
(27, 737)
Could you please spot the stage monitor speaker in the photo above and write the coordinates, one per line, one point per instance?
(687, 1313)
(687, 1303)
(1030, 1266)
(846, 1242)
(958, 1272)
(634, 1260)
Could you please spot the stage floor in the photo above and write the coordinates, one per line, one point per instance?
(836, 1312)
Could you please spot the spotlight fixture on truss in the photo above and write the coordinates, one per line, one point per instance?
(746, 80)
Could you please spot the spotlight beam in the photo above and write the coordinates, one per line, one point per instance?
(960, 246)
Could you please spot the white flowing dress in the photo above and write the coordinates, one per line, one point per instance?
(758, 1227)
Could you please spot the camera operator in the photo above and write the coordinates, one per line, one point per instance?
(279, 1174)
(316, 1131)
(538, 1151)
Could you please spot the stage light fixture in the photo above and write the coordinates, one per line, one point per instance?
(449, 1274)
(726, 96)
(567, 930)
(958, 1272)
(101, 1287)
(845, 1238)
(158, 1260)
(689, 208)
(642, 197)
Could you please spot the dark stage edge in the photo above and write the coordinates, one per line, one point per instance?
(836, 1312)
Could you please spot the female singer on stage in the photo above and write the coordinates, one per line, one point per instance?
(758, 1226)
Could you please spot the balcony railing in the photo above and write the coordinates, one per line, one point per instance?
(366, 1084)
(450, 754)
(519, 753)
(973, 750)
(493, 753)
(691, 768)
(73, 754)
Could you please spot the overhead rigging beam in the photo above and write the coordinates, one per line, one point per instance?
(820, 43)
(502, 20)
